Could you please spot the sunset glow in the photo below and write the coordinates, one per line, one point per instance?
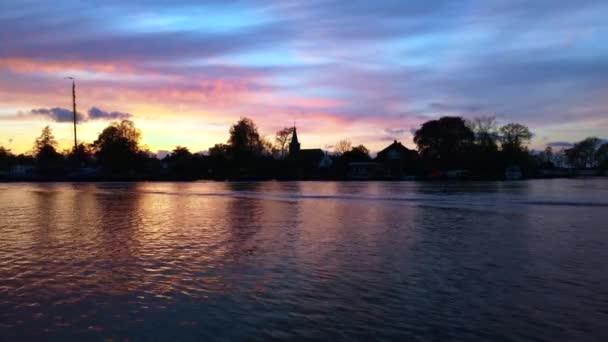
(371, 72)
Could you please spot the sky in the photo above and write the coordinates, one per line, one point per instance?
(368, 71)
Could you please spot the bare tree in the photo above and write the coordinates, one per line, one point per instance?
(485, 129)
(343, 146)
(282, 140)
(268, 149)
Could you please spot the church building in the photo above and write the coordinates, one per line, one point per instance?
(309, 161)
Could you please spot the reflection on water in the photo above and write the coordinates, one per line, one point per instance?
(467, 261)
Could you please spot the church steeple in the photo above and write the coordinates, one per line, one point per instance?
(294, 146)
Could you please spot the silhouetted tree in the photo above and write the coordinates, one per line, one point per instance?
(117, 147)
(25, 159)
(583, 153)
(220, 150)
(45, 140)
(282, 140)
(601, 156)
(244, 139)
(250, 157)
(147, 164)
(443, 143)
(268, 149)
(48, 160)
(559, 158)
(219, 161)
(482, 158)
(182, 163)
(6, 159)
(80, 157)
(357, 154)
(180, 153)
(545, 158)
(514, 136)
(514, 139)
(485, 129)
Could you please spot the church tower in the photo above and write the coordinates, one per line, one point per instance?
(294, 146)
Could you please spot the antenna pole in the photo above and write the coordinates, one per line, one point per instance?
(74, 106)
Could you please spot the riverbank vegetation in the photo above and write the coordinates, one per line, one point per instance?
(449, 147)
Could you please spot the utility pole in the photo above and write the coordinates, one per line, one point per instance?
(74, 107)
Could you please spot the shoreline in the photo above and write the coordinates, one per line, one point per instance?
(253, 179)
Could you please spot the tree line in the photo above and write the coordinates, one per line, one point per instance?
(479, 145)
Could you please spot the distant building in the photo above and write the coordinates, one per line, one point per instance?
(294, 145)
(161, 154)
(365, 170)
(309, 163)
(397, 160)
(556, 172)
(457, 174)
(586, 172)
(513, 172)
(21, 170)
(326, 162)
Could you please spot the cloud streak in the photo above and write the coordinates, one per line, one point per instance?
(61, 115)
(560, 144)
(98, 114)
(57, 114)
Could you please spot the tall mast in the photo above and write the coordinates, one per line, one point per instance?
(74, 107)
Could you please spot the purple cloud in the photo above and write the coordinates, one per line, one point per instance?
(560, 144)
(98, 114)
(395, 131)
(57, 114)
(443, 107)
(65, 115)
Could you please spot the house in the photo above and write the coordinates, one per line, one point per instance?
(457, 174)
(513, 172)
(556, 172)
(586, 172)
(397, 160)
(22, 170)
(312, 157)
(365, 170)
(326, 162)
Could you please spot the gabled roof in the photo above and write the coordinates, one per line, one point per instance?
(312, 153)
(395, 145)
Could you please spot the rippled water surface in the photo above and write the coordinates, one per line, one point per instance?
(305, 260)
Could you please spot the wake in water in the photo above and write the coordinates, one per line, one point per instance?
(460, 199)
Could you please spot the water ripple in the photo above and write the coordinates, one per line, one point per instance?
(321, 261)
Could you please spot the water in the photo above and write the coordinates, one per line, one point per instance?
(335, 261)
